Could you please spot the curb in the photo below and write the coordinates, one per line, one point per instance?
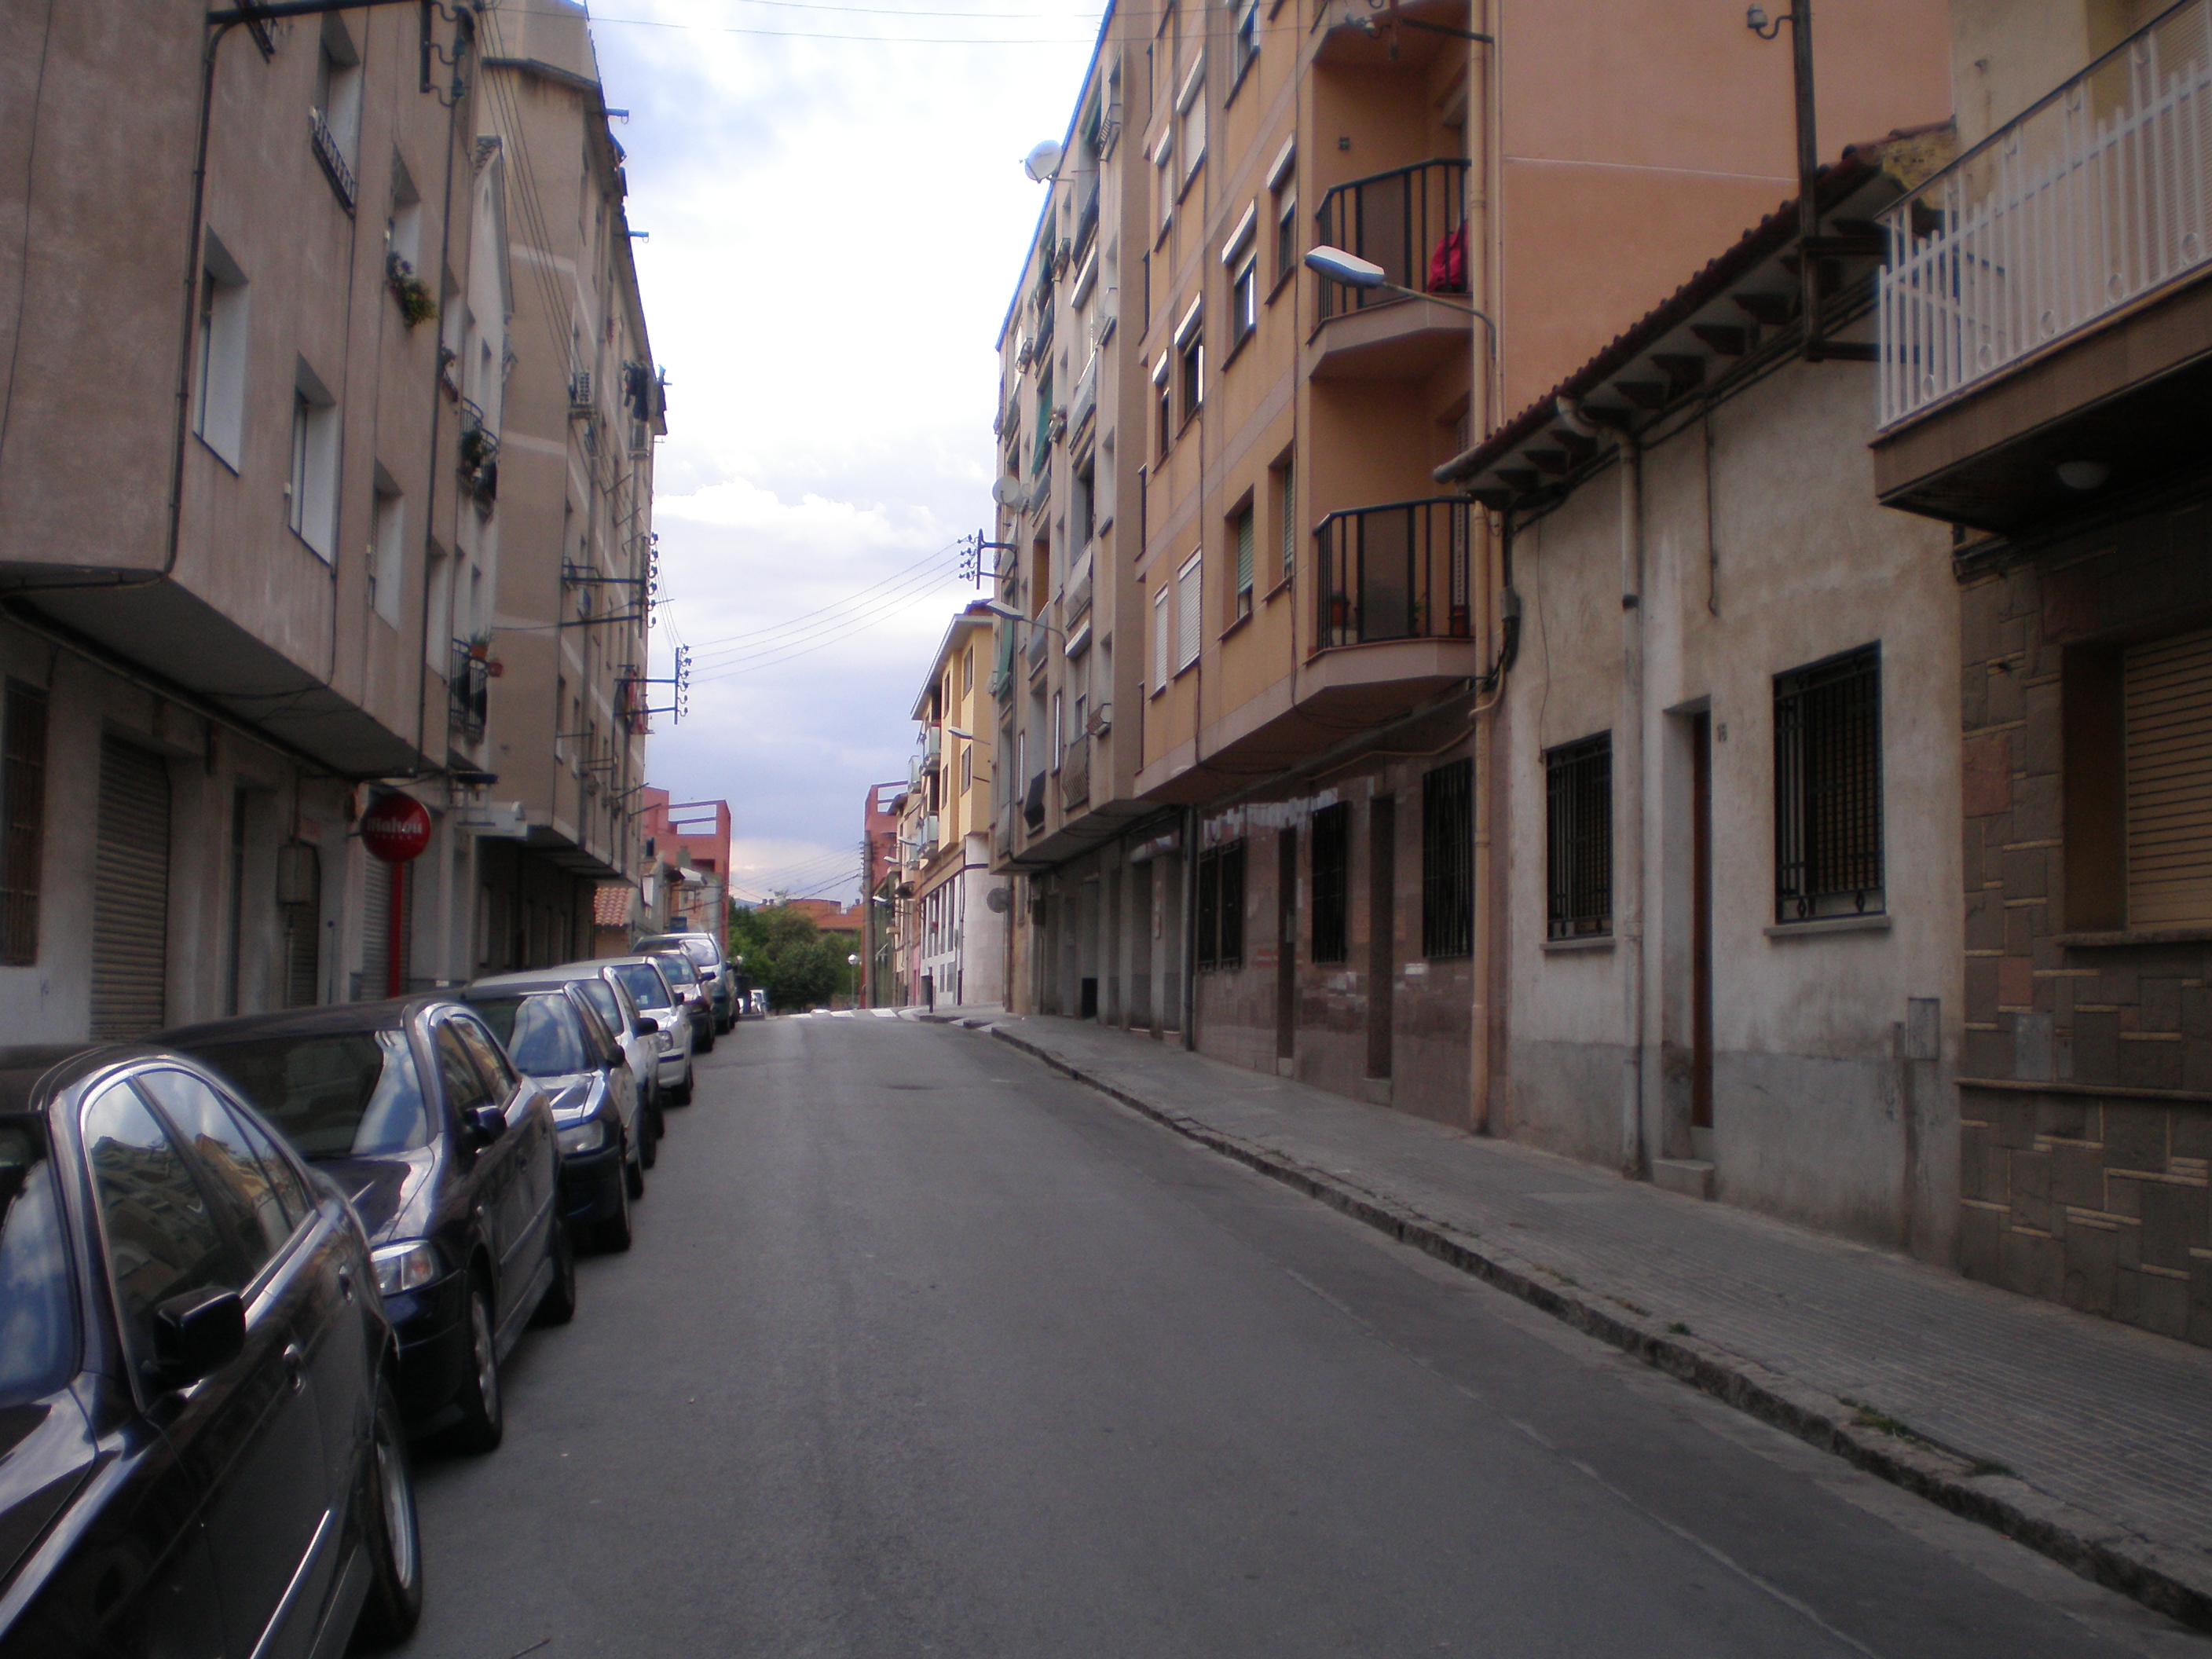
(2166, 1580)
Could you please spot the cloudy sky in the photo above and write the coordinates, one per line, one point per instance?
(837, 215)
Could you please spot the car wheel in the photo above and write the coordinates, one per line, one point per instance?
(558, 1305)
(483, 1403)
(633, 1174)
(613, 1234)
(648, 1137)
(394, 1541)
(705, 1045)
(681, 1095)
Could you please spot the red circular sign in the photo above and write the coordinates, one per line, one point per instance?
(396, 828)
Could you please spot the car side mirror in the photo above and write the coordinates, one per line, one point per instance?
(485, 1124)
(195, 1334)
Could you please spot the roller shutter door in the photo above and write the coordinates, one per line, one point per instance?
(376, 941)
(2169, 762)
(130, 901)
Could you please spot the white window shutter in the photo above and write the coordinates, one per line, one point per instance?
(1161, 669)
(1191, 617)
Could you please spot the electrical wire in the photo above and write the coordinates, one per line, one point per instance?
(926, 558)
(825, 631)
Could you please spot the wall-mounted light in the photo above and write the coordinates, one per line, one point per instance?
(2084, 475)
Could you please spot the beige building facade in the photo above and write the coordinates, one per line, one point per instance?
(957, 928)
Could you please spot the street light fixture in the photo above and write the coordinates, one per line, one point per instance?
(1001, 608)
(1334, 264)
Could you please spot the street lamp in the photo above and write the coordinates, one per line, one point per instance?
(1001, 608)
(1333, 264)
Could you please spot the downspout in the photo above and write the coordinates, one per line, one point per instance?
(1630, 861)
(1486, 1023)
(195, 264)
(430, 506)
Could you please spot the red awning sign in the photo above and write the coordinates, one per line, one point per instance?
(396, 828)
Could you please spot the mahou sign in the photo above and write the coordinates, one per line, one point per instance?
(396, 828)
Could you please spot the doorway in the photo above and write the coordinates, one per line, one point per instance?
(1701, 936)
(1286, 944)
(1382, 928)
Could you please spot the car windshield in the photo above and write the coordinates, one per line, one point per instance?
(645, 985)
(677, 966)
(38, 1312)
(544, 1034)
(701, 951)
(337, 1094)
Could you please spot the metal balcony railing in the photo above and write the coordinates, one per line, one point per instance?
(2095, 197)
(932, 747)
(335, 167)
(1411, 220)
(468, 687)
(1040, 638)
(1396, 572)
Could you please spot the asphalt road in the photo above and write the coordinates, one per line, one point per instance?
(924, 1350)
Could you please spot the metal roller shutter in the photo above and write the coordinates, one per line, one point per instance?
(2169, 770)
(375, 930)
(130, 900)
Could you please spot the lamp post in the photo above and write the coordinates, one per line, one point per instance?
(1800, 19)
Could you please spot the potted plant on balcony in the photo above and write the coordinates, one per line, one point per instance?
(416, 303)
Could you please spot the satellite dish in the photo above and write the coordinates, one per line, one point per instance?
(1008, 492)
(999, 901)
(1041, 163)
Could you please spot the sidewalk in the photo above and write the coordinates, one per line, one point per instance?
(2089, 1440)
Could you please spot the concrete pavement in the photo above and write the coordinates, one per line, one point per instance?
(2089, 1440)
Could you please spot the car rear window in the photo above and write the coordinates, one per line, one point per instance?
(544, 1034)
(339, 1094)
(647, 988)
(38, 1311)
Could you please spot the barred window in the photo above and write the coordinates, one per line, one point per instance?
(22, 822)
(1332, 865)
(1827, 788)
(1221, 906)
(1578, 838)
(1448, 861)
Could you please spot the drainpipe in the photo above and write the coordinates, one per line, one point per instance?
(1190, 927)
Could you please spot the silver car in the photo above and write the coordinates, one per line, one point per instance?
(714, 969)
(650, 989)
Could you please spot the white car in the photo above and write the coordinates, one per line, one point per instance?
(648, 988)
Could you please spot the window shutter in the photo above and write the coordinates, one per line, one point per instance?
(1244, 551)
(2168, 691)
(1290, 527)
(1189, 623)
(1162, 669)
(131, 897)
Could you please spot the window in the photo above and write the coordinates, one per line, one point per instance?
(1082, 512)
(1245, 38)
(967, 671)
(311, 509)
(1283, 198)
(1827, 788)
(2166, 693)
(1162, 669)
(1578, 838)
(161, 1239)
(1059, 731)
(465, 1084)
(219, 411)
(244, 1191)
(489, 1059)
(1221, 906)
(1190, 348)
(1244, 299)
(1163, 174)
(966, 767)
(1240, 533)
(1332, 894)
(1190, 119)
(1189, 614)
(334, 118)
(22, 822)
(1286, 503)
(387, 548)
(1163, 401)
(1448, 861)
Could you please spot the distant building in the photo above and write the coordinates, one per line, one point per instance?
(686, 884)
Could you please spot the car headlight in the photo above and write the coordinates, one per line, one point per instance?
(586, 1137)
(407, 1267)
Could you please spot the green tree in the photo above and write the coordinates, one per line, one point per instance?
(789, 956)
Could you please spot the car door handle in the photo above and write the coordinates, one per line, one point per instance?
(345, 1283)
(295, 1367)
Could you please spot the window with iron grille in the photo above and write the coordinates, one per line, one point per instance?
(1827, 788)
(1447, 861)
(1221, 906)
(1578, 838)
(1332, 894)
(22, 822)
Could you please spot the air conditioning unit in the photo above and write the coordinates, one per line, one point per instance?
(1058, 424)
(641, 438)
(579, 391)
(1025, 351)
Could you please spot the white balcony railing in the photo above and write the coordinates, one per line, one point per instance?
(2096, 196)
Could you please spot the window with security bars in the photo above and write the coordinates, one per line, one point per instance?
(1221, 906)
(22, 821)
(1447, 861)
(1578, 839)
(1332, 886)
(1827, 788)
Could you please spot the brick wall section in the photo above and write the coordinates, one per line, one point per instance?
(2092, 1190)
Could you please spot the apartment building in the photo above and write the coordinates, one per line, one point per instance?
(682, 866)
(1281, 848)
(578, 402)
(2045, 321)
(958, 928)
(229, 466)
(879, 815)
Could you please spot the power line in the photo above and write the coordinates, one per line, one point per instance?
(828, 628)
(711, 645)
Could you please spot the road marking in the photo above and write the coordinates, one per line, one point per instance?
(842, 1013)
(884, 1014)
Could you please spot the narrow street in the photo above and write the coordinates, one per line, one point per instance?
(922, 1349)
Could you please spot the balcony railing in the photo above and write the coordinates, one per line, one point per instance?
(2096, 196)
(335, 167)
(1040, 638)
(1075, 773)
(1411, 222)
(932, 747)
(1397, 572)
(468, 686)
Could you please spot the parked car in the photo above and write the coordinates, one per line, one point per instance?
(449, 1155)
(201, 1447)
(552, 1034)
(713, 962)
(684, 977)
(649, 988)
(758, 998)
(638, 1034)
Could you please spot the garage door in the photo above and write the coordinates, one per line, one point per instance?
(130, 902)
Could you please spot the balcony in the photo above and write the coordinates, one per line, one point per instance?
(1411, 222)
(1039, 645)
(928, 834)
(932, 748)
(1396, 572)
(468, 686)
(332, 153)
(2040, 291)
(1075, 773)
